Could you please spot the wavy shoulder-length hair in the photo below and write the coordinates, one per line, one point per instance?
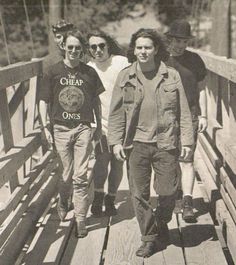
(113, 46)
(157, 39)
(78, 35)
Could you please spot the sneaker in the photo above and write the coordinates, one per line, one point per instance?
(80, 229)
(110, 208)
(147, 249)
(188, 214)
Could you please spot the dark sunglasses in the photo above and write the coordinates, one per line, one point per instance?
(72, 47)
(100, 45)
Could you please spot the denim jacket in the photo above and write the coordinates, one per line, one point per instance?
(173, 114)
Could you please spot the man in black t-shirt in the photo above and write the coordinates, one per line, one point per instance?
(72, 89)
(192, 71)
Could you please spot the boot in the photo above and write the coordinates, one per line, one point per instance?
(80, 229)
(188, 214)
(110, 208)
(96, 208)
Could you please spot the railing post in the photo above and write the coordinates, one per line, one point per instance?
(7, 131)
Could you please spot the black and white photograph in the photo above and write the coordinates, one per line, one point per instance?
(117, 132)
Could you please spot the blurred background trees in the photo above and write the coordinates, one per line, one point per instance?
(25, 24)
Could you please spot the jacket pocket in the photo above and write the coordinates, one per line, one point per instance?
(128, 96)
(170, 96)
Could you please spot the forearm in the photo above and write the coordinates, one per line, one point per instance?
(202, 98)
(43, 111)
(98, 111)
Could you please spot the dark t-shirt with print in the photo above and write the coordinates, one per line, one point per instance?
(192, 70)
(70, 93)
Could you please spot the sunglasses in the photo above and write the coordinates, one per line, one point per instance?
(73, 47)
(100, 45)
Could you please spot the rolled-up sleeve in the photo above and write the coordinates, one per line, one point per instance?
(117, 117)
(185, 120)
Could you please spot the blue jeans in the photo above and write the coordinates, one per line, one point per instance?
(142, 158)
(103, 158)
(74, 148)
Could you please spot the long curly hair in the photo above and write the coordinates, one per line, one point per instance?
(113, 46)
(158, 42)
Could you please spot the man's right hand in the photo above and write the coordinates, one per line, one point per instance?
(119, 153)
(48, 138)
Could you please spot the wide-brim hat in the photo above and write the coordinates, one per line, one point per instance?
(180, 29)
(62, 25)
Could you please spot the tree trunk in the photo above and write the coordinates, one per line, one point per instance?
(55, 14)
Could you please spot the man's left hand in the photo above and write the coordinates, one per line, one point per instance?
(186, 151)
(202, 124)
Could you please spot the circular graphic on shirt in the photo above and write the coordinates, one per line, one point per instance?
(71, 98)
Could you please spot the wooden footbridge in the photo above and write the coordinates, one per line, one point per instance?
(30, 230)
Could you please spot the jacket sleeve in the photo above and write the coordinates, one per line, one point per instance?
(185, 120)
(117, 117)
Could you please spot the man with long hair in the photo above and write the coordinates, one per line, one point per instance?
(108, 60)
(147, 108)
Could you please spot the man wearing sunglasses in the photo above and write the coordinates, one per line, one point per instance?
(71, 89)
(59, 31)
(107, 60)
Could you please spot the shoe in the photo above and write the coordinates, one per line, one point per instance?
(96, 208)
(61, 210)
(110, 208)
(188, 214)
(80, 229)
(147, 249)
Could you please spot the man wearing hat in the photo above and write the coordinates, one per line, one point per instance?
(59, 32)
(192, 71)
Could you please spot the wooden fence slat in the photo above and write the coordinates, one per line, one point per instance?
(228, 202)
(19, 72)
(14, 159)
(228, 227)
(27, 224)
(19, 192)
(7, 133)
(215, 161)
(227, 148)
(9, 226)
(226, 182)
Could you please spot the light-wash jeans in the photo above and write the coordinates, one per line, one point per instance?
(74, 148)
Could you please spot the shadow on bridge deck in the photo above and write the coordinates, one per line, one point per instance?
(113, 241)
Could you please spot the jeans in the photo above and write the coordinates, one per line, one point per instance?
(74, 148)
(103, 158)
(144, 157)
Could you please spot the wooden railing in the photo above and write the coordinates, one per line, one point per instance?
(24, 167)
(217, 147)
